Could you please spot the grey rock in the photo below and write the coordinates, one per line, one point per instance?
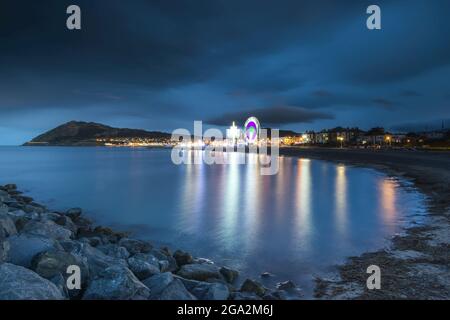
(142, 268)
(200, 272)
(72, 246)
(49, 264)
(135, 246)
(176, 291)
(53, 216)
(245, 296)
(253, 287)
(10, 187)
(29, 209)
(164, 266)
(287, 290)
(168, 262)
(74, 213)
(24, 247)
(276, 295)
(67, 223)
(13, 205)
(106, 235)
(18, 283)
(48, 229)
(206, 290)
(229, 274)
(114, 251)
(4, 196)
(147, 257)
(4, 250)
(182, 258)
(84, 224)
(164, 286)
(21, 218)
(266, 275)
(24, 199)
(26, 208)
(93, 241)
(3, 208)
(158, 283)
(60, 282)
(97, 261)
(7, 226)
(286, 285)
(116, 283)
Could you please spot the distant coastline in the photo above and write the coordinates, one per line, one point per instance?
(80, 133)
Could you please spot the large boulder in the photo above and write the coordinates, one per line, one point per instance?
(251, 286)
(7, 226)
(106, 235)
(47, 228)
(135, 246)
(182, 258)
(164, 286)
(18, 283)
(114, 251)
(53, 216)
(206, 290)
(74, 213)
(4, 196)
(166, 261)
(200, 272)
(10, 187)
(143, 265)
(24, 247)
(96, 260)
(245, 296)
(4, 250)
(67, 223)
(116, 283)
(229, 274)
(49, 264)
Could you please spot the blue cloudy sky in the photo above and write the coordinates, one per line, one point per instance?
(160, 65)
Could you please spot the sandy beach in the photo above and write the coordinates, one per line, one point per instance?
(417, 263)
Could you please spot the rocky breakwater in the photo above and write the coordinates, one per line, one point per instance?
(38, 245)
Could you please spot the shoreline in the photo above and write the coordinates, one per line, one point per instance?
(38, 245)
(416, 265)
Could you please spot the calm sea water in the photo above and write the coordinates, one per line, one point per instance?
(296, 224)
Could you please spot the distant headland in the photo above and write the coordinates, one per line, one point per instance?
(79, 133)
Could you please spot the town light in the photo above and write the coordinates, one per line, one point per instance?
(341, 139)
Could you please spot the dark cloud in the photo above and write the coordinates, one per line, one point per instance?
(322, 93)
(384, 103)
(165, 62)
(273, 116)
(410, 93)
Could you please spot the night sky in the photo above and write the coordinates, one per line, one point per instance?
(160, 65)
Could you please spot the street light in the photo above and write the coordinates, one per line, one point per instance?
(388, 139)
(341, 139)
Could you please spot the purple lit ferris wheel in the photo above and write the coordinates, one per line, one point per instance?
(251, 129)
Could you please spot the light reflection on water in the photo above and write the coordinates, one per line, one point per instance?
(296, 224)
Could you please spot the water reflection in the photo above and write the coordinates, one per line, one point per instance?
(303, 199)
(341, 200)
(388, 201)
(193, 196)
(230, 201)
(311, 215)
(252, 194)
